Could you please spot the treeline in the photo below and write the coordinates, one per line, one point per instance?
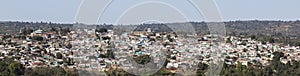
(9, 67)
(276, 68)
(256, 27)
(281, 31)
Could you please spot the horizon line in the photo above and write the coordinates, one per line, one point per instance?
(48, 22)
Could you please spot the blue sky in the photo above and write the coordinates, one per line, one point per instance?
(64, 11)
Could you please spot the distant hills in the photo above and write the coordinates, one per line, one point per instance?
(281, 31)
(248, 27)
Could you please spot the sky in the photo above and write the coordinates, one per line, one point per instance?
(65, 11)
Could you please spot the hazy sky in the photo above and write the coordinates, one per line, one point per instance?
(64, 11)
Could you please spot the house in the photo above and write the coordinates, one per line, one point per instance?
(37, 32)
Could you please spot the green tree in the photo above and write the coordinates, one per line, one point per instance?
(144, 59)
(8, 67)
(252, 36)
(37, 38)
(16, 69)
(59, 55)
(101, 30)
(45, 71)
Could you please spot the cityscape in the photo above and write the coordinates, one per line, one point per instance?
(149, 38)
(101, 51)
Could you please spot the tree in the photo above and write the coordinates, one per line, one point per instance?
(16, 69)
(8, 67)
(26, 31)
(228, 40)
(59, 55)
(297, 43)
(202, 68)
(144, 59)
(101, 30)
(3, 69)
(106, 38)
(37, 38)
(272, 40)
(252, 36)
(65, 30)
(69, 46)
(45, 71)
